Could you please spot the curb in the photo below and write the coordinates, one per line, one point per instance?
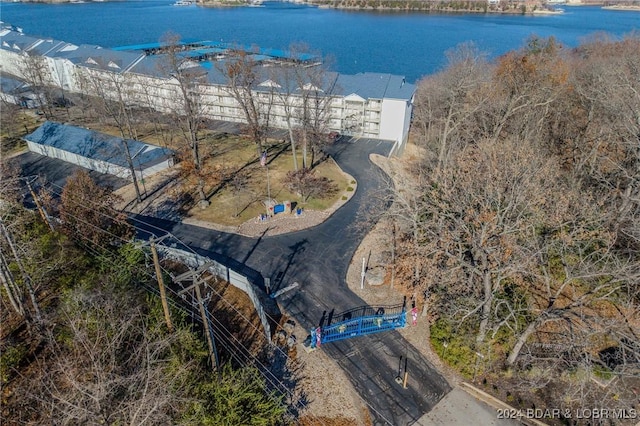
(498, 404)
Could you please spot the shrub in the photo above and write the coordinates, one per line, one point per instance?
(308, 185)
(349, 188)
(452, 348)
(10, 359)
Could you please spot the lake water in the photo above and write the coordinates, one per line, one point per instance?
(410, 44)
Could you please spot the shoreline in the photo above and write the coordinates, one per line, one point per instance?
(429, 7)
(623, 8)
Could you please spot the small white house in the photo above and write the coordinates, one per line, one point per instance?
(98, 151)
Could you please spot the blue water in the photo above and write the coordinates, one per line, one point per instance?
(410, 44)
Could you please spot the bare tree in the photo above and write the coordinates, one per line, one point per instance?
(116, 372)
(243, 75)
(111, 93)
(317, 88)
(282, 83)
(607, 156)
(577, 282)
(308, 185)
(14, 254)
(187, 107)
(36, 72)
(303, 94)
(526, 85)
(447, 102)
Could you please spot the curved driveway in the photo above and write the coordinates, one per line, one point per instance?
(318, 259)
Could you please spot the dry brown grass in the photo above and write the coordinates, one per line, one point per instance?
(226, 156)
(234, 156)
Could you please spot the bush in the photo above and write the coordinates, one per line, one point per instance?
(349, 188)
(452, 348)
(10, 359)
(308, 185)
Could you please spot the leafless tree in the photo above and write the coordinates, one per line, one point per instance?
(447, 102)
(317, 88)
(111, 93)
(36, 72)
(282, 82)
(526, 85)
(87, 212)
(187, 106)
(243, 76)
(112, 367)
(14, 254)
(607, 157)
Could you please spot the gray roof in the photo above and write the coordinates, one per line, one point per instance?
(12, 85)
(375, 86)
(149, 66)
(366, 85)
(97, 146)
(159, 66)
(96, 57)
(18, 42)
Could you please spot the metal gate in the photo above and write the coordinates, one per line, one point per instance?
(360, 322)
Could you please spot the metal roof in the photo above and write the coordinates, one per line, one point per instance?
(271, 53)
(97, 146)
(131, 59)
(149, 66)
(16, 41)
(12, 85)
(154, 45)
(91, 56)
(201, 52)
(375, 86)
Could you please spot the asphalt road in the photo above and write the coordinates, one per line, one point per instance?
(318, 259)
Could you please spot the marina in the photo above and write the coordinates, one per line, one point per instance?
(407, 43)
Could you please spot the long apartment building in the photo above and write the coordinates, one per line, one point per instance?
(372, 105)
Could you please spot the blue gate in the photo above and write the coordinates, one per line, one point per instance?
(367, 320)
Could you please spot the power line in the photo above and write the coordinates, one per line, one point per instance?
(232, 348)
(189, 249)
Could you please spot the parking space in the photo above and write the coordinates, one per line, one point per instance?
(56, 171)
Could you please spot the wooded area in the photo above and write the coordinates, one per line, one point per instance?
(83, 341)
(517, 230)
(518, 227)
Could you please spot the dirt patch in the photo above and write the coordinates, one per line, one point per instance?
(326, 392)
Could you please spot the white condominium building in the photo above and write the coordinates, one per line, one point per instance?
(282, 84)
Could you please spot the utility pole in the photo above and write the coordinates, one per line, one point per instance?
(163, 293)
(213, 353)
(194, 276)
(393, 253)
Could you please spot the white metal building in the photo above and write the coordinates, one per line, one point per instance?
(372, 105)
(98, 151)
